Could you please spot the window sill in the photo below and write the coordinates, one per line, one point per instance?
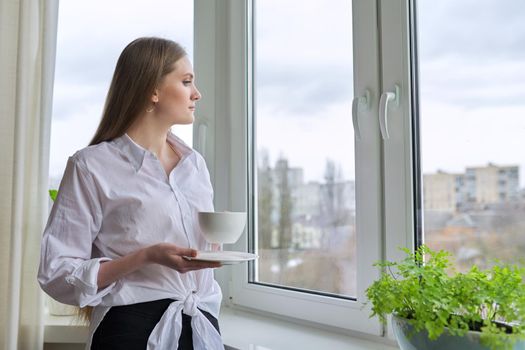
(64, 329)
(246, 330)
(241, 330)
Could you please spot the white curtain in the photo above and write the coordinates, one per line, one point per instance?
(27, 58)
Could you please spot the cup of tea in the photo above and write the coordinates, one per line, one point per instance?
(224, 227)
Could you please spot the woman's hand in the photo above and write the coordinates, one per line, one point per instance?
(215, 247)
(165, 254)
(172, 256)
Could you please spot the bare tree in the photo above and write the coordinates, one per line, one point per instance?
(332, 204)
(265, 202)
(333, 217)
(285, 213)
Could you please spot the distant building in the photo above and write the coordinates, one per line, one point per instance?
(294, 175)
(493, 184)
(440, 191)
(306, 237)
(307, 200)
(462, 192)
(477, 187)
(294, 179)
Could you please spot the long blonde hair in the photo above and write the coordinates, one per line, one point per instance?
(140, 68)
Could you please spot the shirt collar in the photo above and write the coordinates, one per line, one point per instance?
(181, 146)
(136, 153)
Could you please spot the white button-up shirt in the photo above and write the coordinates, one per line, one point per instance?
(116, 198)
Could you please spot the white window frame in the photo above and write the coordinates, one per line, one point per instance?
(384, 219)
(398, 154)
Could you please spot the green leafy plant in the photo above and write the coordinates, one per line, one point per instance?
(53, 194)
(425, 289)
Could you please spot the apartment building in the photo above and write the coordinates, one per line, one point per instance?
(477, 187)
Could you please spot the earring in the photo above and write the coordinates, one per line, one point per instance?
(149, 110)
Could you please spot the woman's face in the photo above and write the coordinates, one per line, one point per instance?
(177, 94)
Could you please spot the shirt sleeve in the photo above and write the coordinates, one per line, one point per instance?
(67, 271)
(207, 192)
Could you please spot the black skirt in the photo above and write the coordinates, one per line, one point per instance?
(128, 327)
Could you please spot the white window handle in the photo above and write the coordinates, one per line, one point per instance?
(383, 110)
(357, 104)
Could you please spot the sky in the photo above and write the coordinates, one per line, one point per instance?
(304, 86)
(472, 81)
(472, 84)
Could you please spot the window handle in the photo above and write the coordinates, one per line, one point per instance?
(358, 104)
(386, 97)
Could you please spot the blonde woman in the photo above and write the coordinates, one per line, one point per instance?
(125, 214)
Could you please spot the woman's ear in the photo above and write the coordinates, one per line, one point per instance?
(155, 96)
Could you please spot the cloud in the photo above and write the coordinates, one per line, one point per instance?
(453, 138)
(471, 53)
(91, 34)
(69, 135)
(308, 142)
(479, 29)
(472, 84)
(303, 89)
(303, 56)
(68, 99)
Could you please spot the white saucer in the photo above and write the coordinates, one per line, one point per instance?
(224, 257)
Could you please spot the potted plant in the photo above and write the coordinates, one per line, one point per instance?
(435, 307)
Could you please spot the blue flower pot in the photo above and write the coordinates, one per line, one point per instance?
(407, 339)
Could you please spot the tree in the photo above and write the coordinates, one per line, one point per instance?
(285, 203)
(333, 208)
(265, 202)
(285, 215)
(334, 216)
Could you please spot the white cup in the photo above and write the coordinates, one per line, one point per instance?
(222, 227)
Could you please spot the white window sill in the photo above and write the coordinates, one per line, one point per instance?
(242, 330)
(246, 330)
(64, 329)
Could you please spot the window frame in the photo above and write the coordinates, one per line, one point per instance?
(400, 153)
(401, 173)
(384, 177)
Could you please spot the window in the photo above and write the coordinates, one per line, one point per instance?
(86, 58)
(444, 149)
(253, 136)
(472, 93)
(304, 146)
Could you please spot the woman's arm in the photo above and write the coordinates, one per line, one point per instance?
(165, 254)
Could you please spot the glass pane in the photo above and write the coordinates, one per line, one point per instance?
(91, 35)
(305, 145)
(472, 128)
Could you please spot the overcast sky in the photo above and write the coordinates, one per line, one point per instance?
(472, 56)
(472, 80)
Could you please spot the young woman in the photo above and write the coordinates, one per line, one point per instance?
(126, 214)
